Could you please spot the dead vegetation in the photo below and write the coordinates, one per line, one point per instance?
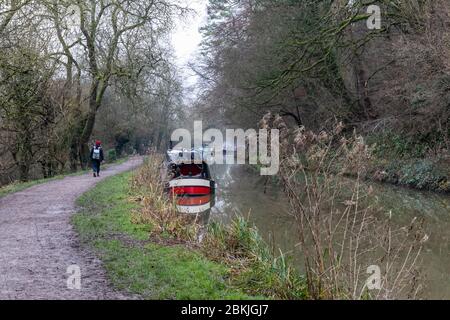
(342, 234)
(156, 207)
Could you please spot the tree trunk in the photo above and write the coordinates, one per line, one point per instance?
(83, 156)
(24, 171)
(25, 161)
(94, 103)
(73, 156)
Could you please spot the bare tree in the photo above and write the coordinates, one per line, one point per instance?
(7, 11)
(99, 39)
(62, 60)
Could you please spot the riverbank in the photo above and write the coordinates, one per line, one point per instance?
(416, 162)
(422, 174)
(146, 250)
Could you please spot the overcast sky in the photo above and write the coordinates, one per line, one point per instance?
(186, 39)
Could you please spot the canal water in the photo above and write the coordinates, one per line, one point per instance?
(242, 191)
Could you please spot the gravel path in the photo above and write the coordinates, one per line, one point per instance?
(38, 244)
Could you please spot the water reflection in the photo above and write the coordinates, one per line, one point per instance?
(242, 191)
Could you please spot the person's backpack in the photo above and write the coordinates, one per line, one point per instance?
(96, 154)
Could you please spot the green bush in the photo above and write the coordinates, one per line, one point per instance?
(391, 145)
(417, 173)
(111, 155)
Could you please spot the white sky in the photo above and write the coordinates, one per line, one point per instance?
(186, 39)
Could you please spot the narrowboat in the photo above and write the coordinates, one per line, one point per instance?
(188, 173)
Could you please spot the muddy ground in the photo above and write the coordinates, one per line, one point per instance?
(38, 243)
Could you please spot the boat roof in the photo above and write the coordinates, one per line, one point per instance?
(179, 156)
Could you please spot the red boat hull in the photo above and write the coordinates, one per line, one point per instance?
(194, 187)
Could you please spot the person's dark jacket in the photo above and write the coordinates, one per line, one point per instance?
(101, 153)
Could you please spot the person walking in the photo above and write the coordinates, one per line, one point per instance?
(97, 157)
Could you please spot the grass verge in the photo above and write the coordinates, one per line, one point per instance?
(19, 186)
(139, 265)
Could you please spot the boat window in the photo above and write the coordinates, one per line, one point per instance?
(191, 169)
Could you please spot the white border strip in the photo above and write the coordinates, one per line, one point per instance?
(189, 183)
(194, 209)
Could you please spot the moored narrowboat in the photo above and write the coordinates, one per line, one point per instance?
(188, 173)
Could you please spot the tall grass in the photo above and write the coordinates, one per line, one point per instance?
(157, 208)
(256, 267)
(342, 234)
